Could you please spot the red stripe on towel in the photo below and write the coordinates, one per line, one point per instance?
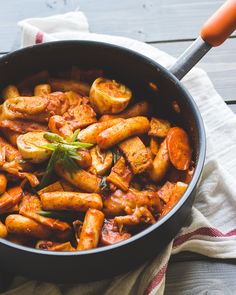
(203, 231)
(39, 38)
(156, 280)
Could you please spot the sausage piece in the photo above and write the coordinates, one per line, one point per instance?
(111, 234)
(90, 133)
(123, 130)
(70, 201)
(179, 148)
(91, 230)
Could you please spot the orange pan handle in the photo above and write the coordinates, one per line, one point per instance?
(220, 25)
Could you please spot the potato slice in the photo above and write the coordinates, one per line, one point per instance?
(109, 96)
(28, 145)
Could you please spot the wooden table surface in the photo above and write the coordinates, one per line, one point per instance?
(170, 25)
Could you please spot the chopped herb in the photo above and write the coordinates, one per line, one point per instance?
(62, 215)
(104, 186)
(53, 137)
(63, 151)
(115, 155)
(51, 214)
(74, 136)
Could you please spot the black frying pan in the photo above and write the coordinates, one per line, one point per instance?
(136, 71)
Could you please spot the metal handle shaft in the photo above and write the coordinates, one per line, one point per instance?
(190, 57)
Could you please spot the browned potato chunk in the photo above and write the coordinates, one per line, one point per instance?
(10, 91)
(70, 201)
(161, 163)
(159, 127)
(91, 230)
(123, 130)
(139, 109)
(136, 154)
(90, 133)
(120, 175)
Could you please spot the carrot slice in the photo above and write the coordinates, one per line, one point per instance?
(179, 148)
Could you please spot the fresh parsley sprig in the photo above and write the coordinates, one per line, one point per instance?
(63, 151)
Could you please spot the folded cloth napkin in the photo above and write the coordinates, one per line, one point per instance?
(212, 231)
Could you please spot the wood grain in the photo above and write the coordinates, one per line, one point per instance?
(145, 20)
(200, 277)
(13, 11)
(149, 20)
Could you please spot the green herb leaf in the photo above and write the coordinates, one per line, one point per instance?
(115, 155)
(52, 214)
(48, 172)
(74, 136)
(63, 151)
(53, 137)
(104, 186)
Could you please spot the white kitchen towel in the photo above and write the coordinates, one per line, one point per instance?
(213, 228)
